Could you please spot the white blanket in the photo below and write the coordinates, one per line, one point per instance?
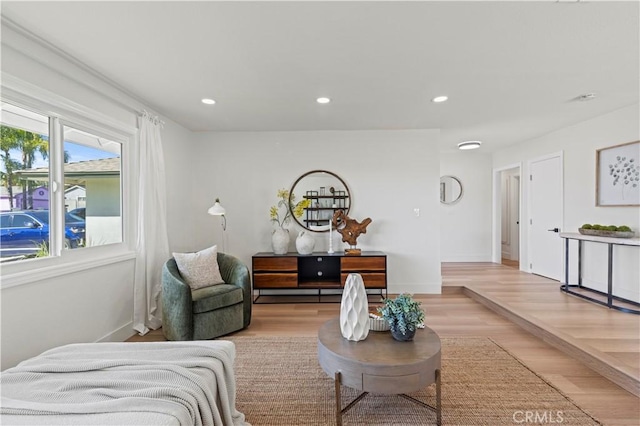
(124, 383)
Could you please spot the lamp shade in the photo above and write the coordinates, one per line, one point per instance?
(216, 209)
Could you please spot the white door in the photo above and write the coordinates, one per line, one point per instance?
(545, 216)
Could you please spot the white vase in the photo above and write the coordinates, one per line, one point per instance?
(354, 309)
(305, 242)
(280, 241)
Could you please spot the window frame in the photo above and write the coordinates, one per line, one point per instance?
(63, 112)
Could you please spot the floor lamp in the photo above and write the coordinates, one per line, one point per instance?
(218, 210)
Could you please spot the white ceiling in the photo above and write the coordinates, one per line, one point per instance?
(510, 69)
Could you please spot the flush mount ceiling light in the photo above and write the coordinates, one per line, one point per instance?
(208, 101)
(439, 99)
(469, 145)
(323, 100)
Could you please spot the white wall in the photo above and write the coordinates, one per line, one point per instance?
(86, 306)
(389, 173)
(466, 225)
(579, 144)
(183, 190)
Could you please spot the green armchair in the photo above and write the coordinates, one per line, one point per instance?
(207, 312)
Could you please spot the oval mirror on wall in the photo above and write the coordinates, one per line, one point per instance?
(450, 189)
(326, 191)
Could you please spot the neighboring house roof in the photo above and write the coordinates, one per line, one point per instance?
(75, 188)
(82, 169)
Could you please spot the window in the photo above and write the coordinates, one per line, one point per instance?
(92, 182)
(86, 205)
(24, 146)
(22, 221)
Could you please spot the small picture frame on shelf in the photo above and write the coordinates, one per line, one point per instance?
(312, 193)
(322, 190)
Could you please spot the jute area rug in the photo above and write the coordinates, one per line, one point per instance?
(279, 382)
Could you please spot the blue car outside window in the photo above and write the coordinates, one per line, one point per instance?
(23, 233)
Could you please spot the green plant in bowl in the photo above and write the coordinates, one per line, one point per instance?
(624, 228)
(587, 226)
(403, 314)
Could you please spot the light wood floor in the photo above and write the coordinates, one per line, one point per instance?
(454, 314)
(510, 263)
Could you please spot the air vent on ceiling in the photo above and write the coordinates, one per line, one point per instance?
(585, 97)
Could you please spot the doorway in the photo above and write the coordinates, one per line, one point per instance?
(507, 204)
(510, 217)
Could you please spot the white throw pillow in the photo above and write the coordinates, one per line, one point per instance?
(199, 269)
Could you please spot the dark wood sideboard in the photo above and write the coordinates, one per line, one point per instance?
(316, 271)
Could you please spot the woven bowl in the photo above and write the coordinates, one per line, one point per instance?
(378, 324)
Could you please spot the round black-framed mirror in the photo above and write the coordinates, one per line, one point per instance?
(450, 189)
(326, 192)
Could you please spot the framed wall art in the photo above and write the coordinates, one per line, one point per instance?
(618, 175)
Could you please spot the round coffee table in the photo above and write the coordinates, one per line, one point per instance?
(380, 364)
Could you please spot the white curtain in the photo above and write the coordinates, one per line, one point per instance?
(152, 245)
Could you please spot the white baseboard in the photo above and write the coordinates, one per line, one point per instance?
(467, 258)
(119, 335)
(421, 288)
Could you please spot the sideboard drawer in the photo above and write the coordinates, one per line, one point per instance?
(275, 264)
(371, 279)
(275, 280)
(364, 263)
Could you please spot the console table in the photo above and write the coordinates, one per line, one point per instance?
(317, 271)
(567, 288)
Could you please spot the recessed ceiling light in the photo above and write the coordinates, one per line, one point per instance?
(208, 101)
(323, 100)
(439, 99)
(469, 145)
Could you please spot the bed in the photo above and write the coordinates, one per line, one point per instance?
(147, 383)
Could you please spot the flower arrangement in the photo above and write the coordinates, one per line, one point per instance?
(290, 208)
(403, 313)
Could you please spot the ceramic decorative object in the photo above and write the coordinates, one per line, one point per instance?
(280, 241)
(354, 309)
(305, 242)
(378, 324)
